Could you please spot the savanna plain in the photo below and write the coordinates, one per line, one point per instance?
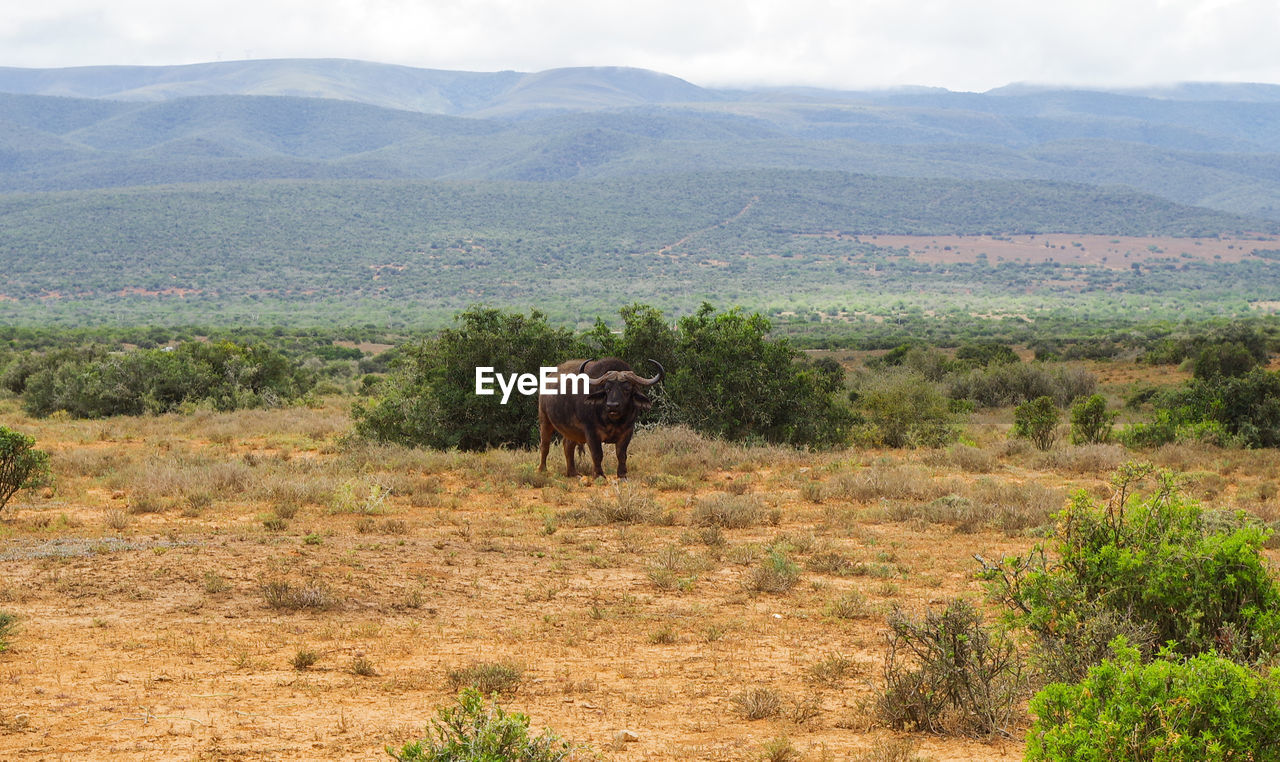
(259, 585)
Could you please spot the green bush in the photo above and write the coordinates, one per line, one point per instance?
(1154, 562)
(1090, 421)
(429, 399)
(984, 353)
(1242, 410)
(224, 374)
(1204, 708)
(900, 408)
(1037, 420)
(21, 464)
(730, 380)
(725, 378)
(1013, 383)
(1224, 361)
(474, 732)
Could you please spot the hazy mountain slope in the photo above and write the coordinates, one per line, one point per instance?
(1198, 144)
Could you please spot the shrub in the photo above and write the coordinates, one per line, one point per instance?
(1090, 421)
(1204, 708)
(727, 511)
(732, 381)
(904, 409)
(984, 353)
(225, 375)
(488, 677)
(474, 732)
(949, 673)
(726, 379)
(286, 596)
(1014, 383)
(430, 397)
(21, 464)
(1153, 562)
(1037, 420)
(1243, 409)
(758, 703)
(775, 574)
(1224, 360)
(304, 658)
(8, 625)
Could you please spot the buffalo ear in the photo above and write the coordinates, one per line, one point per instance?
(642, 402)
(596, 396)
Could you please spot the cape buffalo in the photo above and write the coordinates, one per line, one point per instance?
(606, 412)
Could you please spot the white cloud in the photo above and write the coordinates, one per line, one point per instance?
(858, 43)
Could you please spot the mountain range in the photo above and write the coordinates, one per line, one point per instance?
(1210, 145)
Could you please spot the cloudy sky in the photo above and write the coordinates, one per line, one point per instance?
(974, 45)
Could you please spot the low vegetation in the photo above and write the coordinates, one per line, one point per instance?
(824, 596)
(475, 731)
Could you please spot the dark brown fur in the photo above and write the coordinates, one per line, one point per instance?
(606, 414)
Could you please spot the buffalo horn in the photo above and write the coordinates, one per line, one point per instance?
(662, 373)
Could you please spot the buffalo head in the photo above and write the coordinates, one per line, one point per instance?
(618, 391)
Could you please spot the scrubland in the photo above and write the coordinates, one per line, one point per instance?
(258, 585)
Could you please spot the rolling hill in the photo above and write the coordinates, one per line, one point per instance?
(93, 127)
(265, 190)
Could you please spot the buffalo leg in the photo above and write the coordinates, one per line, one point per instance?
(571, 468)
(597, 454)
(545, 432)
(620, 448)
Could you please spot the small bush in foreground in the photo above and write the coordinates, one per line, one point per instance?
(948, 673)
(1155, 562)
(475, 732)
(1204, 708)
(487, 677)
(21, 464)
(8, 623)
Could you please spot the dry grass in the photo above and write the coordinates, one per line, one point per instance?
(665, 603)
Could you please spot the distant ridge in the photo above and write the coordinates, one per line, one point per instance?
(1212, 145)
(432, 91)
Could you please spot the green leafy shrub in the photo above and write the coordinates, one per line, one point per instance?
(1224, 361)
(1037, 420)
(901, 408)
(1204, 708)
(1242, 409)
(730, 380)
(1154, 562)
(1090, 421)
(726, 378)
(21, 464)
(226, 375)
(471, 731)
(430, 397)
(948, 673)
(984, 353)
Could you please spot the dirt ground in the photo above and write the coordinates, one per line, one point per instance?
(169, 582)
(1115, 252)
